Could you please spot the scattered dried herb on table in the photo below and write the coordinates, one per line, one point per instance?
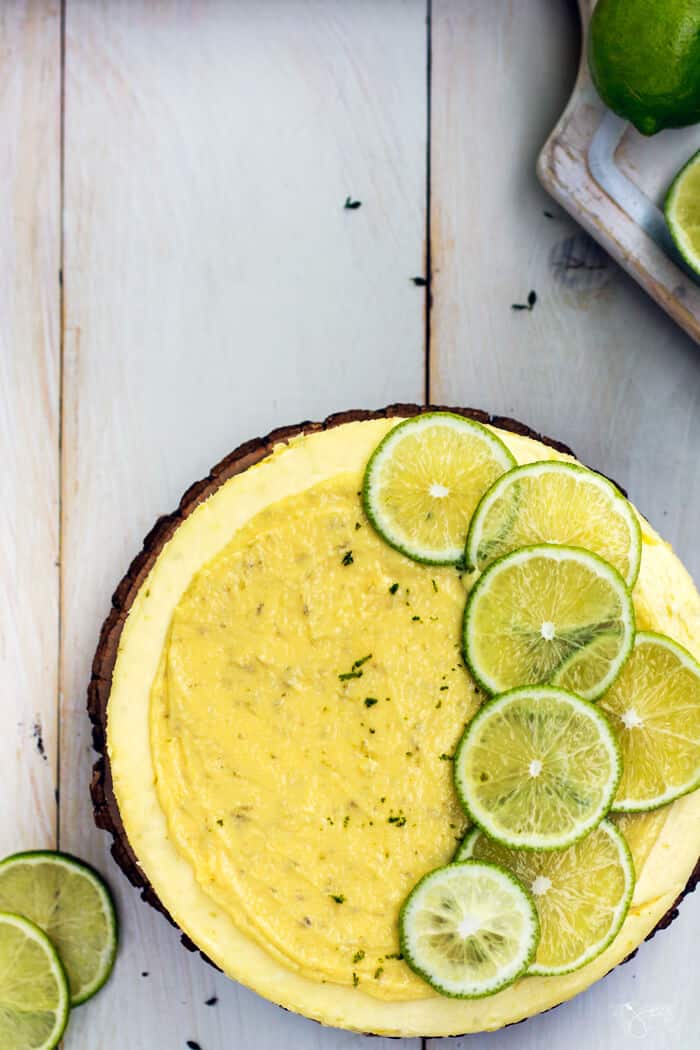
(529, 305)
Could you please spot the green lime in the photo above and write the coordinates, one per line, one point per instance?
(537, 768)
(469, 929)
(655, 709)
(682, 210)
(644, 57)
(554, 502)
(548, 614)
(582, 893)
(424, 480)
(71, 904)
(34, 996)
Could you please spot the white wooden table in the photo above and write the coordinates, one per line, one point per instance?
(178, 272)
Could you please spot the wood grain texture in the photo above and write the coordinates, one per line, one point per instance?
(215, 286)
(595, 362)
(29, 420)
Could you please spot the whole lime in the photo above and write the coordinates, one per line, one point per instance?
(644, 56)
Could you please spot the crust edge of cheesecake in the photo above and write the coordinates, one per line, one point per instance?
(105, 806)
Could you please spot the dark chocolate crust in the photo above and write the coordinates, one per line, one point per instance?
(106, 809)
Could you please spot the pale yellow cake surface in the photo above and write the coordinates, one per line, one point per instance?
(279, 817)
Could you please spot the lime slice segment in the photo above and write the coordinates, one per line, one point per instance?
(537, 768)
(424, 480)
(655, 709)
(682, 210)
(553, 502)
(533, 610)
(582, 893)
(34, 995)
(71, 904)
(469, 929)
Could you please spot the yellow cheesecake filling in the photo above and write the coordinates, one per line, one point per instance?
(311, 696)
(280, 816)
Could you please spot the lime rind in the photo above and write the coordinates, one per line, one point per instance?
(677, 230)
(522, 903)
(400, 541)
(480, 816)
(621, 506)
(618, 913)
(78, 867)
(555, 552)
(466, 847)
(687, 660)
(62, 1011)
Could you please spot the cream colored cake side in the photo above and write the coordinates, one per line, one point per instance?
(665, 599)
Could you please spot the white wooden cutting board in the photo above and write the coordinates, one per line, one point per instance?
(613, 181)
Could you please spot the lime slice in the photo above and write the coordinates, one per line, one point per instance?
(34, 996)
(582, 893)
(655, 708)
(71, 904)
(533, 610)
(469, 929)
(682, 210)
(537, 768)
(555, 502)
(424, 480)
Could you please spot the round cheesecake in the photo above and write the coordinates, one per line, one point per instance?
(277, 696)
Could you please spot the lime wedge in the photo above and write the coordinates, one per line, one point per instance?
(655, 709)
(682, 210)
(554, 502)
(534, 610)
(469, 929)
(34, 996)
(71, 904)
(424, 480)
(537, 768)
(582, 893)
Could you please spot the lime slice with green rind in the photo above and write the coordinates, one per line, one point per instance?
(582, 893)
(537, 768)
(535, 609)
(655, 709)
(71, 904)
(581, 672)
(424, 480)
(554, 502)
(34, 995)
(469, 929)
(682, 210)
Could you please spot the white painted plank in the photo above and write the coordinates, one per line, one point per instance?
(216, 287)
(595, 364)
(29, 411)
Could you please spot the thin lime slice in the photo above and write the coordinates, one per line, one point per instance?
(469, 929)
(655, 709)
(424, 480)
(553, 502)
(71, 904)
(582, 893)
(534, 610)
(682, 210)
(34, 995)
(537, 768)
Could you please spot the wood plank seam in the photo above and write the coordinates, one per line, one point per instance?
(61, 378)
(428, 228)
